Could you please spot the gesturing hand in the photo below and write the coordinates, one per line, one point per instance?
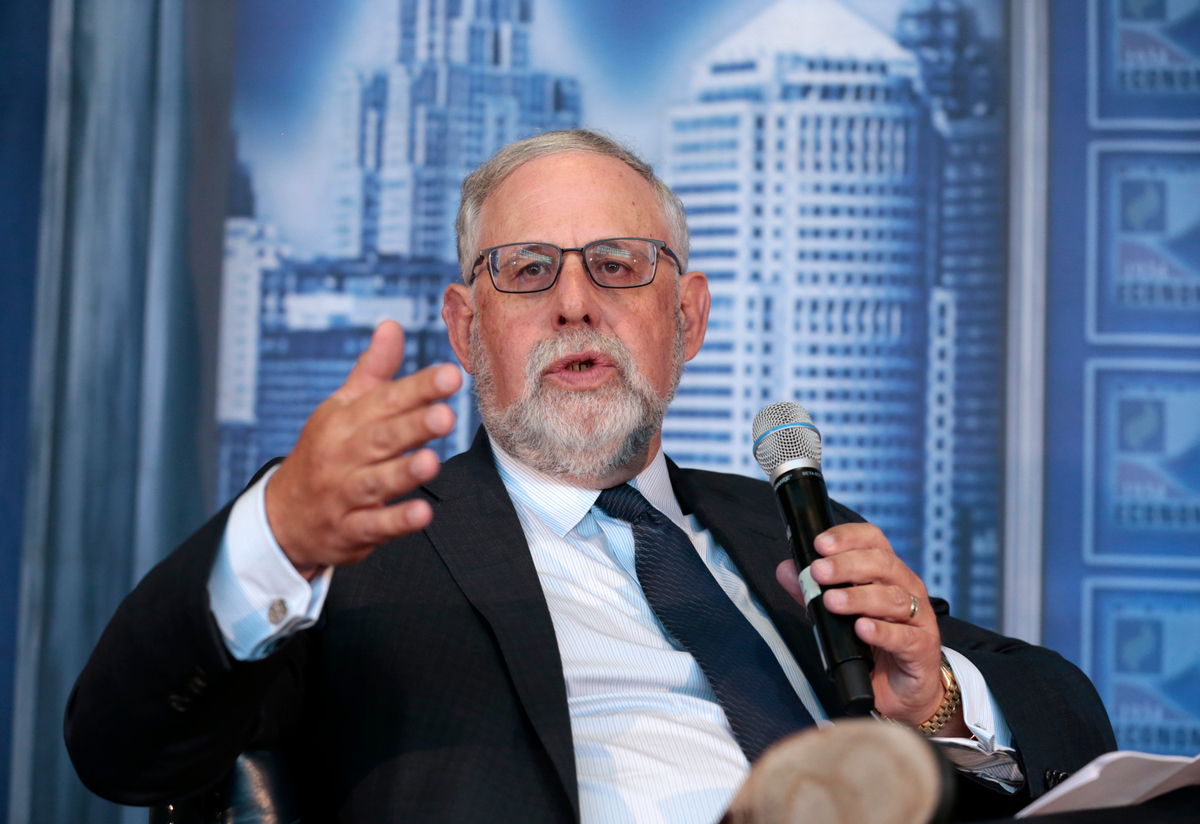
(325, 504)
(907, 645)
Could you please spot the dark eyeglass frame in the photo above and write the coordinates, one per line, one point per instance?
(486, 255)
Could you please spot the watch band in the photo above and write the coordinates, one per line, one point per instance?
(951, 701)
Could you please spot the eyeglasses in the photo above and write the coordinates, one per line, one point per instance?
(614, 263)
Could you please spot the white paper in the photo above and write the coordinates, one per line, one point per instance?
(1117, 779)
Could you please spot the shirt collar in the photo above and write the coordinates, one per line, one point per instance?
(561, 505)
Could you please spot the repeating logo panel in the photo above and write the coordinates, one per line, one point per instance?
(1142, 505)
(1142, 650)
(1145, 64)
(1144, 245)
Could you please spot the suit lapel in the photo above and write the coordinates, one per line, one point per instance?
(752, 534)
(476, 531)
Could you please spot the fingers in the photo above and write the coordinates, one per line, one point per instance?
(915, 650)
(906, 645)
(847, 537)
(378, 364)
(860, 554)
(371, 527)
(431, 384)
(325, 504)
(389, 437)
(373, 485)
(789, 579)
(887, 603)
(864, 566)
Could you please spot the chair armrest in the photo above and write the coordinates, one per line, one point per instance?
(257, 791)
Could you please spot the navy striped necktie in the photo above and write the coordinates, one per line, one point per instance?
(757, 697)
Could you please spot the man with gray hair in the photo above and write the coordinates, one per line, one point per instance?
(559, 624)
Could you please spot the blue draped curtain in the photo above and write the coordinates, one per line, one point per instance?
(127, 281)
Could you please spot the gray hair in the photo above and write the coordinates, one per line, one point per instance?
(484, 180)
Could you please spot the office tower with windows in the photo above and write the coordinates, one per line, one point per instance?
(291, 331)
(251, 249)
(318, 317)
(461, 87)
(967, 304)
(800, 155)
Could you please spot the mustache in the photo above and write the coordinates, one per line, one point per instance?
(545, 352)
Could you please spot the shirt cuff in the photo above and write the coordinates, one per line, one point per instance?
(988, 754)
(256, 596)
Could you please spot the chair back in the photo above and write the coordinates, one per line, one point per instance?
(256, 791)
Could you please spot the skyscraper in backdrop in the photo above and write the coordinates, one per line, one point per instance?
(961, 83)
(461, 87)
(845, 196)
(798, 157)
(458, 88)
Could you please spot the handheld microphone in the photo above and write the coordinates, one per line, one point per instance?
(788, 447)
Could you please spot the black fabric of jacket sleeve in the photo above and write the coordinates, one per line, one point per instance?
(401, 704)
(161, 709)
(1056, 717)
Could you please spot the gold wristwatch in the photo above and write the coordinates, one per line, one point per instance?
(951, 701)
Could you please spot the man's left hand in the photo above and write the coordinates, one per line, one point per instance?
(907, 645)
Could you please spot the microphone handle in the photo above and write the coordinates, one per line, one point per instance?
(804, 503)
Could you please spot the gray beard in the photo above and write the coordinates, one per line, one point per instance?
(583, 435)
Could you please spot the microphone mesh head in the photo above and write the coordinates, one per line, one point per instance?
(784, 432)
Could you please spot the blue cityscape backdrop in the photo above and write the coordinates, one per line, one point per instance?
(844, 168)
(845, 187)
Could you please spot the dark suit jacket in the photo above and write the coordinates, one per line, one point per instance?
(432, 689)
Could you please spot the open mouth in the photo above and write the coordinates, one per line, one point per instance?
(577, 364)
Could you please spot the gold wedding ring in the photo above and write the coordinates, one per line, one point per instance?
(912, 610)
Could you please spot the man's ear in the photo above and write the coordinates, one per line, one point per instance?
(458, 310)
(694, 302)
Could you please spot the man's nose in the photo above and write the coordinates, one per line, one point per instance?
(575, 294)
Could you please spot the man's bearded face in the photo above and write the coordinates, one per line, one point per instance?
(580, 434)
